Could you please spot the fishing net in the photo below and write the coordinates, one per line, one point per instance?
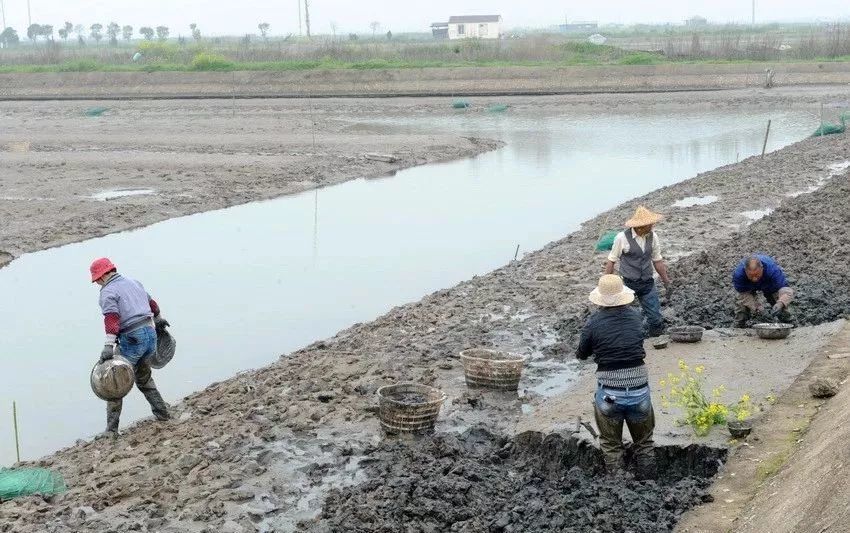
(827, 128)
(606, 241)
(460, 104)
(16, 482)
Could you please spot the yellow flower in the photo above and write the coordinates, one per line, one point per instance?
(663, 382)
(699, 369)
(682, 365)
(745, 398)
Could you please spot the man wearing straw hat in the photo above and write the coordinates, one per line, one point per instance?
(638, 251)
(613, 335)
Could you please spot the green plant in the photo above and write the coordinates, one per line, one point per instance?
(639, 58)
(742, 409)
(686, 392)
(206, 61)
(158, 50)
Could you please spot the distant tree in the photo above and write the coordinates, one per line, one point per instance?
(333, 28)
(127, 32)
(389, 35)
(181, 40)
(112, 30)
(147, 32)
(162, 33)
(79, 29)
(196, 32)
(247, 39)
(33, 31)
(264, 29)
(9, 37)
(374, 26)
(352, 36)
(96, 30)
(63, 34)
(69, 28)
(47, 31)
(81, 40)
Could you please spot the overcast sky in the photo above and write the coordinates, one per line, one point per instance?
(219, 17)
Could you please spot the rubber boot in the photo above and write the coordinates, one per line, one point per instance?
(113, 417)
(158, 405)
(642, 445)
(610, 440)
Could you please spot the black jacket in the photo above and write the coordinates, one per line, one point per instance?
(614, 337)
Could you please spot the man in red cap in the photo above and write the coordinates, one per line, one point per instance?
(132, 320)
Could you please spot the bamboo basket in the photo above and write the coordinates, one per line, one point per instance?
(492, 369)
(409, 407)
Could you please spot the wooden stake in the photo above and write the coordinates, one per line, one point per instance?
(15, 421)
(821, 119)
(766, 133)
(517, 252)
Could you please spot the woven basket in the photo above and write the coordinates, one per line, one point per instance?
(492, 369)
(409, 407)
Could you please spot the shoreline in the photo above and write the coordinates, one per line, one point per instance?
(318, 402)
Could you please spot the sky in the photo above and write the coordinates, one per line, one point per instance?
(219, 17)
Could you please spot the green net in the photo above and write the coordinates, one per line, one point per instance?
(96, 111)
(460, 104)
(606, 241)
(497, 108)
(827, 128)
(16, 482)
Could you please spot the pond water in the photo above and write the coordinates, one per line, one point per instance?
(243, 285)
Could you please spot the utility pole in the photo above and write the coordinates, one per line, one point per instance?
(307, 16)
(299, 19)
(29, 14)
(754, 12)
(3, 12)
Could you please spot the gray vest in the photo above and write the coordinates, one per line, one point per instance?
(637, 263)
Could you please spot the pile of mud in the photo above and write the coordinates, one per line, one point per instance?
(480, 482)
(806, 235)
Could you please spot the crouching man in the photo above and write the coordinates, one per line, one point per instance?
(613, 335)
(760, 273)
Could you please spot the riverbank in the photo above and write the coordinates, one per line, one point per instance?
(262, 449)
(422, 82)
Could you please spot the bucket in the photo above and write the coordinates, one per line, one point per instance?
(112, 379)
(492, 369)
(409, 407)
(165, 348)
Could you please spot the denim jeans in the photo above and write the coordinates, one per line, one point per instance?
(647, 295)
(137, 344)
(634, 408)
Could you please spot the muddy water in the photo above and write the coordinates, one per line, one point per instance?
(246, 284)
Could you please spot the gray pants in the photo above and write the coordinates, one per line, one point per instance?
(641, 426)
(145, 383)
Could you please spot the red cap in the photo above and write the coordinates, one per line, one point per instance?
(100, 267)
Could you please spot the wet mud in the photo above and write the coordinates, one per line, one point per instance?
(481, 482)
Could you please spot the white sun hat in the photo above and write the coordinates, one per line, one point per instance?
(611, 292)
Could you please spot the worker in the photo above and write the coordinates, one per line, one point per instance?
(613, 335)
(131, 319)
(760, 273)
(638, 251)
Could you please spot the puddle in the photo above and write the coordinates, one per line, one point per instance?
(559, 377)
(692, 201)
(281, 274)
(757, 214)
(119, 193)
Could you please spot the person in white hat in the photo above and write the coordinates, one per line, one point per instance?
(638, 251)
(613, 335)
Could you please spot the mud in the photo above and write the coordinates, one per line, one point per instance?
(534, 482)
(805, 235)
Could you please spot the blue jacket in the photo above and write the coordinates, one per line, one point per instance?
(771, 281)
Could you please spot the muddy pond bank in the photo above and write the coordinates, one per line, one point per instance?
(264, 448)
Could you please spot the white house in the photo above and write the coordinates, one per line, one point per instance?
(475, 27)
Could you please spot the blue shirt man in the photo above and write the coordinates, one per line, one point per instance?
(761, 273)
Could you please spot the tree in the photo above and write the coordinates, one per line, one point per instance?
(33, 31)
(79, 29)
(112, 30)
(389, 35)
(47, 31)
(127, 32)
(147, 32)
(162, 33)
(374, 26)
(333, 29)
(95, 32)
(81, 40)
(9, 37)
(63, 34)
(264, 29)
(66, 31)
(196, 33)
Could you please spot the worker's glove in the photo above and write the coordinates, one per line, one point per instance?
(776, 309)
(160, 323)
(107, 353)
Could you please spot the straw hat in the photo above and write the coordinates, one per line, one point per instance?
(643, 217)
(611, 292)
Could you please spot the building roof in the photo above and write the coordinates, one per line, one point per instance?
(475, 18)
(439, 24)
